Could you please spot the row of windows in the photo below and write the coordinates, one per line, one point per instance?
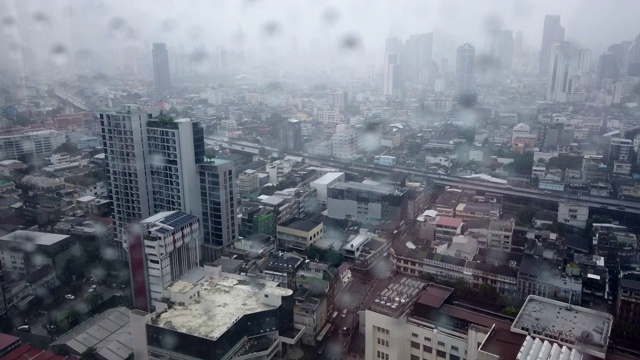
(382, 330)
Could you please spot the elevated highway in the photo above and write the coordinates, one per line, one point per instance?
(596, 202)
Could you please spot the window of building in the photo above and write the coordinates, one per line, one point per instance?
(415, 345)
(427, 339)
(454, 357)
(427, 349)
(441, 354)
(414, 335)
(415, 357)
(454, 348)
(440, 343)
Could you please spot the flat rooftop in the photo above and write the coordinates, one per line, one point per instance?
(379, 188)
(328, 178)
(574, 326)
(221, 303)
(32, 237)
(301, 224)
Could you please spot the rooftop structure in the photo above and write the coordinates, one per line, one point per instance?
(31, 237)
(221, 303)
(399, 296)
(109, 333)
(573, 326)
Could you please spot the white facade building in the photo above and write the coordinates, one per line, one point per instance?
(324, 183)
(346, 144)
(573, 213)
(171, 246)
(41, 142)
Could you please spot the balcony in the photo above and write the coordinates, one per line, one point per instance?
(255, 347)
(293, 335)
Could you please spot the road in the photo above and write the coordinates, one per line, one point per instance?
(610, 204)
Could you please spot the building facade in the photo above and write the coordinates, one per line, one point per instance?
(41, 142)
(161, 69)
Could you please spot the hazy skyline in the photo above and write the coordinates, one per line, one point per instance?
(115, 24)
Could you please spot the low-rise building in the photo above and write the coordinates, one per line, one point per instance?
(628, 301)
(298, 234)
(324, 183)
(541, 277)
(25, 251)
(573, 213)
(365, 249)
(500, 234)
(248, 181)
(372, 203)
(478, 211)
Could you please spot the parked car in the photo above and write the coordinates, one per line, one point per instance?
(25, 328)
(92, 290)
(69, 297)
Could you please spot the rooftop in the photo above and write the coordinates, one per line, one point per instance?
(108, 332)
(328, 178)
(33, 237)
(301, 224)
(380, 188)
(222, 302)
(448, 221)
(398, 296)
(167, 221)
(573, 326)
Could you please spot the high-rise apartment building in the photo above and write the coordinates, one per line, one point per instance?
(553, 33)
(502, 49)
(392, 78)
(161, 69)
(290, 135)
(338, 99)
(464, 68)
(219, 210)
(633, 58)
(151, 161)
(416, 58)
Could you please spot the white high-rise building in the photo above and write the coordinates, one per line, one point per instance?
(151, 162)
(171, 246)
(346, 144)
(568, 73)
(464, 68)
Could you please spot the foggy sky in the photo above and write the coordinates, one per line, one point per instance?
(205, 23)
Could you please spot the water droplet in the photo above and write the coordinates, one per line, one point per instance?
(14, 50)
(168, 25)
(40, 17)
(492, 23)
(59, 54)
(271, 28)
(350, 42)
(330, 16)
(199, 55)
(8, 22)
(117, 23)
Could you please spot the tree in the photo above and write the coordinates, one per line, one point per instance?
(510, 311)
(524, 216)
(535, 181)
(89, 354)
(95, 299)
(489, 292)
(461, 287)
(557, 228)
(522, 164)
(72, 317)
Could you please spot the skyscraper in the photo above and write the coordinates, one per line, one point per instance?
(502, 49)
(161, 70)
(219, 211)
(567, 67)
(553, 33)
(151, 160)
(416, 58)
(608, 71)
(391, 68)
(290, 135)
(464, 68)
(633, 58)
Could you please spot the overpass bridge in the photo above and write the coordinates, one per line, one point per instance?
(594, 202)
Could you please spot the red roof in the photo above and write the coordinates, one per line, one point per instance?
(7, 340)
(28, 352)
(448, 221)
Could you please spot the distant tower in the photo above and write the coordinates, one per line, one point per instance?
(290, 135)
(416, 58)
(161, 72)
(502, 49)
(391, 70)
(553, 33)
(633, 58)
(464, 68)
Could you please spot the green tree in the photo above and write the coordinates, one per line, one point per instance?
(510, 311)
(535, 181)
(89, 354)
(95, 299)
(414, 148)
(461, 287)
(522, 164)
(72, 317)
(488, 292)
(524, 216)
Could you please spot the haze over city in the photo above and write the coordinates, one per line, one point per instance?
(288, 180)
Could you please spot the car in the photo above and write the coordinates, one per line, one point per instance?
(25, 328)
(94, 286)
(92, 290)
(320, 351)
(345, 330)
(69, 297)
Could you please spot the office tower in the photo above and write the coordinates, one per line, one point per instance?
(608, 71)
(161, 72)
(391, 67)
(567, 70)
(416, 58)
(633, 58)
(290, 135)
(517, 46)
(151, 161)
(464, 68)
(502, 49)
(553, 33)
(219, 210)
(620, 51)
